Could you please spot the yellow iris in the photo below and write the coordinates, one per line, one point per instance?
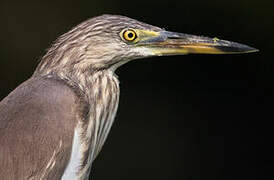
(129, 35)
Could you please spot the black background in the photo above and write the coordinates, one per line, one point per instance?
(185, 117)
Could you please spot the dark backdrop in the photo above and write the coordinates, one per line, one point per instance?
(186, 117)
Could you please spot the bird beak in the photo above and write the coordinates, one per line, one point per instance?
(172, 43)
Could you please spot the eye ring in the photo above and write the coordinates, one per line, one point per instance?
(129, 35)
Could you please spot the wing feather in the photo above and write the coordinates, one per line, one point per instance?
(37, 123)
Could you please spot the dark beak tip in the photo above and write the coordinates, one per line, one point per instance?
(237, 48)
(242, 48)
(254, 50)
(250, 50)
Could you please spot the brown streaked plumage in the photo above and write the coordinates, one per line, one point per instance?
(54, 125)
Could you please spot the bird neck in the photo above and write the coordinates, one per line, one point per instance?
(79, 79)
(103, 100)
(101, 93)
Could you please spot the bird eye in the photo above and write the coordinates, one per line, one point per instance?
(129, 35)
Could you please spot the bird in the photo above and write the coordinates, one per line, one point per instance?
(53, 125)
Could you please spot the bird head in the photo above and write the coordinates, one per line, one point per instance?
(108, 41)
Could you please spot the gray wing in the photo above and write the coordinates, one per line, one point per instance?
(37, 121)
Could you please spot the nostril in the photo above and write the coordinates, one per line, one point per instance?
(174, 37)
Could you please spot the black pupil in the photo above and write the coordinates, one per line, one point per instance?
(130, 35)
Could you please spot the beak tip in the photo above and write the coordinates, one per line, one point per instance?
(251, 50)
(255, 50)
(237, 49)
